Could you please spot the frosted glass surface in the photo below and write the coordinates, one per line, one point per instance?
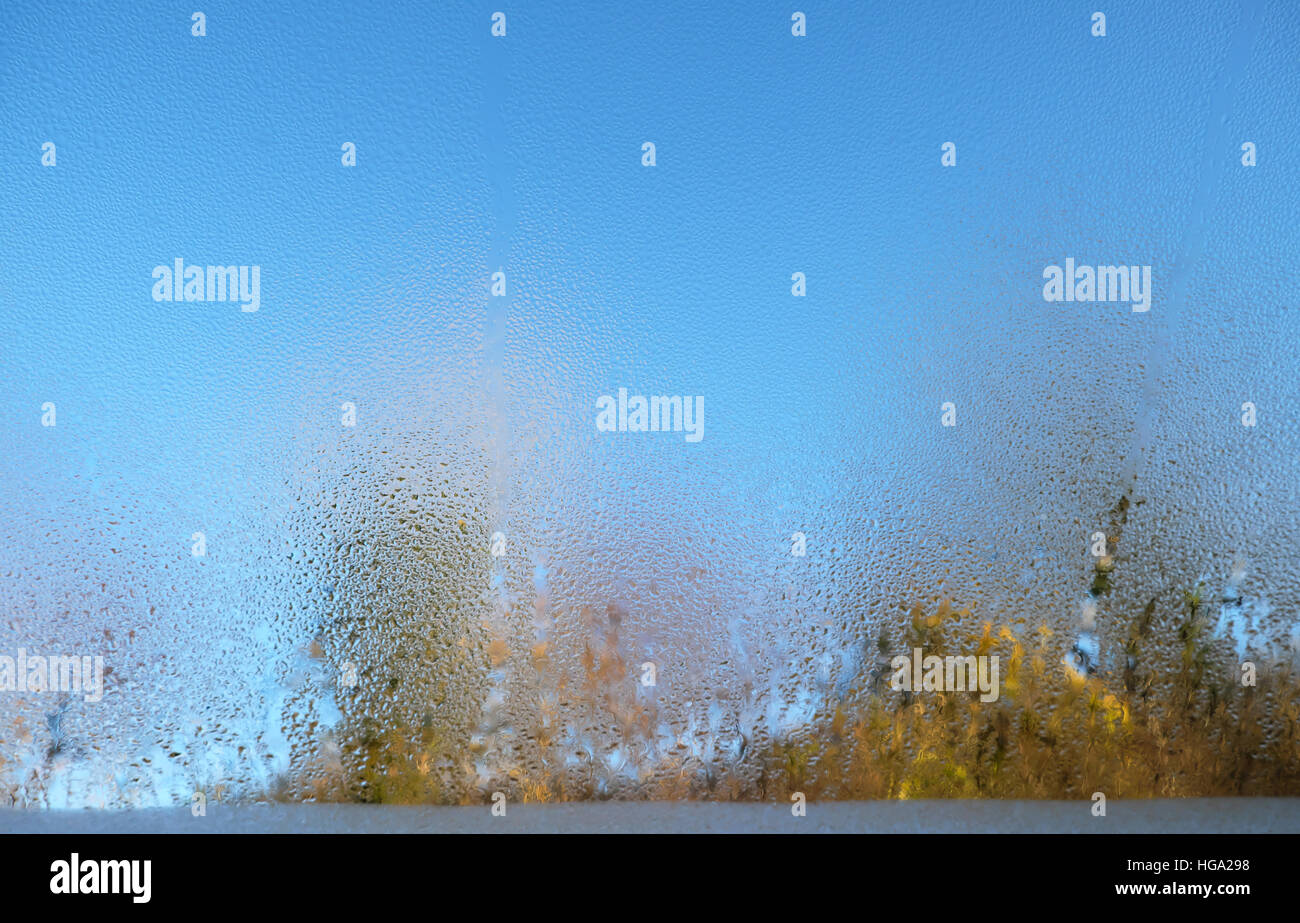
(348, 632)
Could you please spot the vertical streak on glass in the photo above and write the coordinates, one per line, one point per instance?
(499, 175)
(1193, 241)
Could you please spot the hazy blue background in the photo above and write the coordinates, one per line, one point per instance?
(775, 154)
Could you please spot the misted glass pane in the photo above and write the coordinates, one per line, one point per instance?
(647, 403)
